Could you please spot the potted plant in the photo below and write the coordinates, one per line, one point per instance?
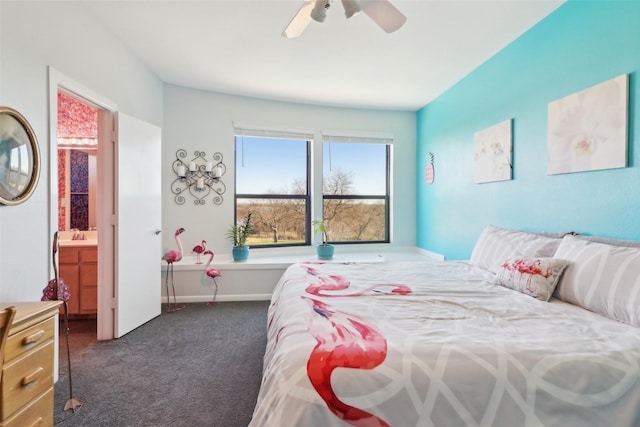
(324, 250)
(238, 234)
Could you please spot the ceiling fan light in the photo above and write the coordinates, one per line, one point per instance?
(319, 11)
(350, 8)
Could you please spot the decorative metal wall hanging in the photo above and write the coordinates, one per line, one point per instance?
(198, 177)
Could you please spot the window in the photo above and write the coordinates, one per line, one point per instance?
(272, 181)
(356, 187)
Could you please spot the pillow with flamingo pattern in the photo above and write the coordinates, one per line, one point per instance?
(533, 276)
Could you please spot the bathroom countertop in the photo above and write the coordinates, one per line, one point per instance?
(74, 243)
(66, 238)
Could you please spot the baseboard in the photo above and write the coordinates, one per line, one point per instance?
(430, 254)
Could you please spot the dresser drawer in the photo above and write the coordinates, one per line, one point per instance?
(38, 414)
(26, 377)
(29, 338)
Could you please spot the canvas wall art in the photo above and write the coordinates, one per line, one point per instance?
(588, 129)
(492, 159)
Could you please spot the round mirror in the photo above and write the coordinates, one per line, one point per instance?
(19, 158)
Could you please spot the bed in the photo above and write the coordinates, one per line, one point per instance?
(531, 331)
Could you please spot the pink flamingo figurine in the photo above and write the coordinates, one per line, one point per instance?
(199, 249)
(213, 273)
(170, 257)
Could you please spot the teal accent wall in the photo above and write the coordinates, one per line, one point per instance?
(581, 44)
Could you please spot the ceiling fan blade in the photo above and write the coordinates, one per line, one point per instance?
(300, 21)
(384, 14)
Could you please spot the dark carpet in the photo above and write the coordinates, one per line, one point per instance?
(200, 366)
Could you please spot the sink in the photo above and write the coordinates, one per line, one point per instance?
(65, 238)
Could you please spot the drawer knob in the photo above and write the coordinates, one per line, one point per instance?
(34, 337)
(32, 377)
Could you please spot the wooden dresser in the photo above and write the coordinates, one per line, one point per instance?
(26, 394)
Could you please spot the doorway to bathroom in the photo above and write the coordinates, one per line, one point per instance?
(78, 152)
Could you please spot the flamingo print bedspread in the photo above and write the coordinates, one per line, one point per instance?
(438, 344)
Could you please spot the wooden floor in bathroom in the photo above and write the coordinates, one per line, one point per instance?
(81, 333)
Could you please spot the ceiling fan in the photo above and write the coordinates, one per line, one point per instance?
(381, 12)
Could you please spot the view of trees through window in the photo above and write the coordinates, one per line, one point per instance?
(272, 181)
(355, 191)
(275, 221)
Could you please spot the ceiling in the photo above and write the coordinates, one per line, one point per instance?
(236, 47)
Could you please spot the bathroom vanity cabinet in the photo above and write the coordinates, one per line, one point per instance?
(79, 270)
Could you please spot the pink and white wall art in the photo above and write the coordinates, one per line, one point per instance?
(588, 129)
(492, 159)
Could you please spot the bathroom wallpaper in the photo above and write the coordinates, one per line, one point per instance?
(76, 121)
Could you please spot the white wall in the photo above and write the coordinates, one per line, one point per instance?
(33, 36)
(203, 121)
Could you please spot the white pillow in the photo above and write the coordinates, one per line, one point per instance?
(537, 277)
(497, 244)
(601, 278)
(608, 241)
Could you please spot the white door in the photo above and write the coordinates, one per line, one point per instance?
(139, 164)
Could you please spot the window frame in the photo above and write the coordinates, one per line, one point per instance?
(306, 197)
(386, 197)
